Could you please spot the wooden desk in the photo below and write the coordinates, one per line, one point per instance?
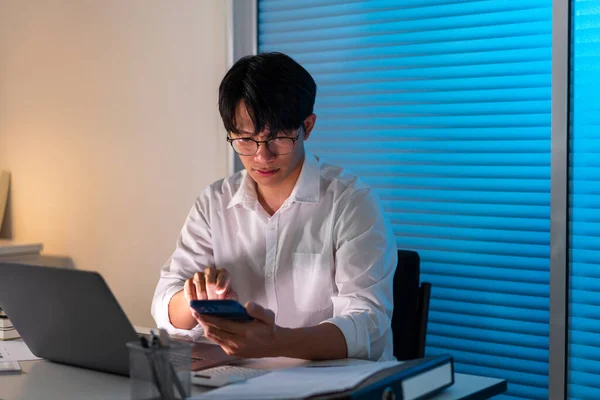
(50, 381)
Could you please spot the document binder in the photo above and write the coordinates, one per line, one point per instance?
(411, 380)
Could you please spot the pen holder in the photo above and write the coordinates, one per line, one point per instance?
(160, 373)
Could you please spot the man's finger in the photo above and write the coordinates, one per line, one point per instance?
(200, 285)
(260, 313)
(223, 282)
(210, 275)
(222, 338)
(231, 295)
(215, 322)
(235, 328)
(189, 290)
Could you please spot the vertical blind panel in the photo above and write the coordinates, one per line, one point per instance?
(444, 108)
(584, 199)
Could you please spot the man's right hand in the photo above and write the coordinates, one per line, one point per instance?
(210, 284)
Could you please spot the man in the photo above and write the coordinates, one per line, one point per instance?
(303, 244)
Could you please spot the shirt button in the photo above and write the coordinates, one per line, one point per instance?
(269, 274)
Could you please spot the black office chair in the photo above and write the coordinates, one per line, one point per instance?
(411, 307)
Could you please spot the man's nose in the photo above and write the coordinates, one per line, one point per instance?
(263, 153)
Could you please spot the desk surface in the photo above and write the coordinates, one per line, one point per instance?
(50, 381)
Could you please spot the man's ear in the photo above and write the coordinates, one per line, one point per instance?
(309, 124)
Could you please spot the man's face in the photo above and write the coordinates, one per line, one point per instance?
(268, 169)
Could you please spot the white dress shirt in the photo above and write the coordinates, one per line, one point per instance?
(327, 255)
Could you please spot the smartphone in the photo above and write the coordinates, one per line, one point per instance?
(227, 309)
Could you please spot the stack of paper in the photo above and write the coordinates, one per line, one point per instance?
(15, 350)
(10, 248)
(7, 330)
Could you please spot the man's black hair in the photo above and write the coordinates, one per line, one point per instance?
(278, 92)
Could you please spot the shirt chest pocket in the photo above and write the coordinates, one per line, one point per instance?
(313, 283)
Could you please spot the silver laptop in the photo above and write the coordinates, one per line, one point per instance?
(71, 317)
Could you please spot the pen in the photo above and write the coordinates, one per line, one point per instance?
(163, 336)
(163, 365)
(152, 365)
(161, 340)
(178, 383)
(155, 339)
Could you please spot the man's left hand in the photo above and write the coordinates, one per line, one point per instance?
(254, 339)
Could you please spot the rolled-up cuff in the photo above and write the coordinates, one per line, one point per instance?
(357, 346)
(193, 334)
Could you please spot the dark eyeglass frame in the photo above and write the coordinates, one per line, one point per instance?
(266, 142)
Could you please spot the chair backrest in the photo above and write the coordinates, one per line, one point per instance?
(411, 307)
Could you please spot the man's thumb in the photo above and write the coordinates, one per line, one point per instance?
(260, 313)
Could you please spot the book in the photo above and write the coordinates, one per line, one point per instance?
(10, 248)
(9, 333)
(7, 330)
(411, 380)
(9, 367)
(5, 322)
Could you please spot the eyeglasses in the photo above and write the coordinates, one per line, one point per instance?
(279, 145)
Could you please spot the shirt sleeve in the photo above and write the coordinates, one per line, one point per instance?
(192, 254)
(365, 262)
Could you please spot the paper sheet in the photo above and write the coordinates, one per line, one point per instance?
(298, 383)
(15, 350)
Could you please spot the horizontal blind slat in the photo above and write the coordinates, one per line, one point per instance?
(428, 17)
(485, 222)
(489, 336)
(467, 209)
(432, 81)
(485, 272)
(495, 286)
(479, 58)
(441, 158)
(497, 361)
(526, 354)
(522, 24)
(349, 7)
(435, 108)
(496, 311)
(447, 98)
(485, 37)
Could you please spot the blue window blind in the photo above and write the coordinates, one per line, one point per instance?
(444, 107)
(584, 293)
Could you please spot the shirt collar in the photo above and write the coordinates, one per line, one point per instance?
(246, 192)
(307, 189)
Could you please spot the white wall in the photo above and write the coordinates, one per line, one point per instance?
(109, 125)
